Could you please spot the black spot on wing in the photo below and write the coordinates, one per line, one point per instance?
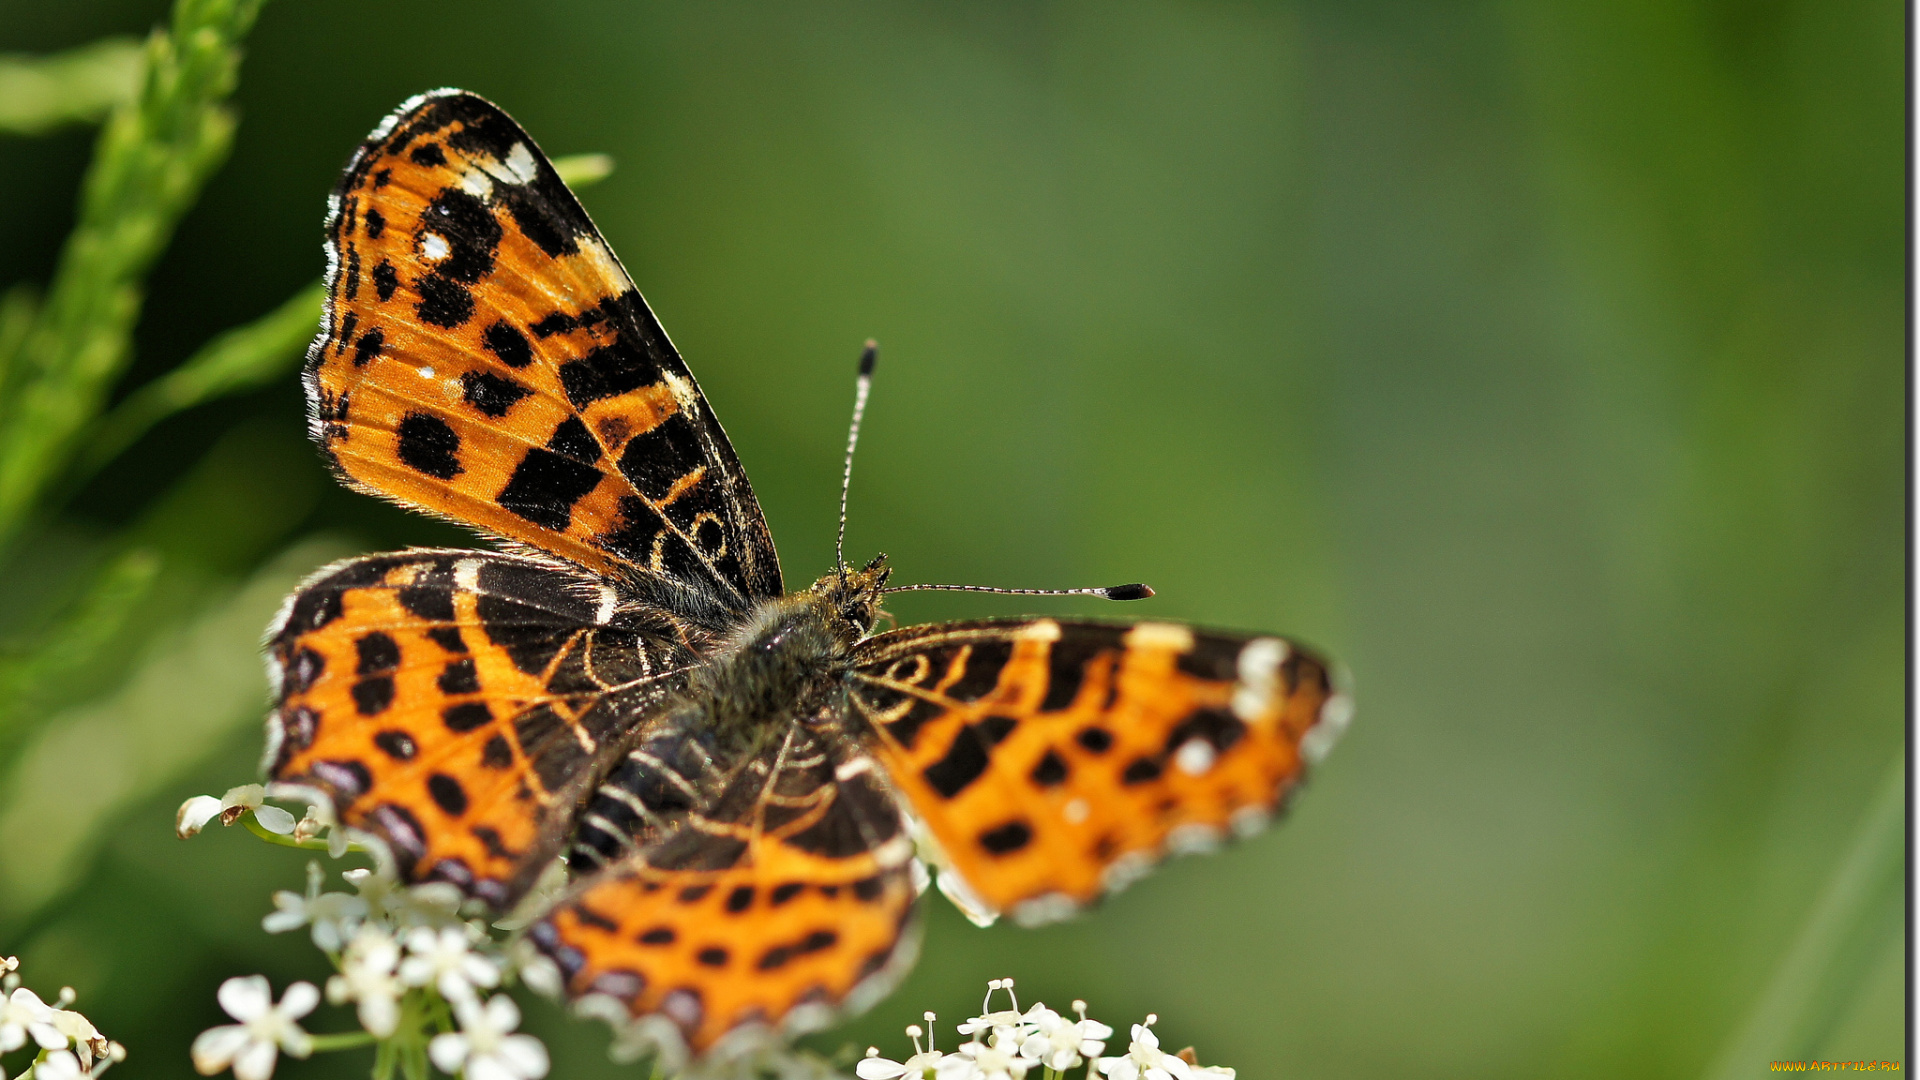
(548, 218)
(572, 439)
(655, 460)
(377, 652)
(447, 794)
(385, 280)
(906, 729)
(982, 673)
(397, 745)
(962, 764)
(1051, 770)
(544, 487)
(1006, 839)
(376, 224)
(459, 677)
(508, 344)
(558, 322)
(1220, 728)
(1095, 740)
(428, 155)
(466, 717)
(443, 301)
(430, 596)
(428, 445)
(374, 695)
(492, 394)
(368, 347)
(616, 368)
(447, 637)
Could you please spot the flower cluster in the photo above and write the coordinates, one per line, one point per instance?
(414, 969)
(1007, 1044)
(67, 1046)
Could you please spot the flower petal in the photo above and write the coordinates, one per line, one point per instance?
(274, 820)
(300, 999)
(255, 1061)
(878, 1068)
(246, 996)
(526, 1055)
(194, 815)
(448, 1051)
(214, 1048)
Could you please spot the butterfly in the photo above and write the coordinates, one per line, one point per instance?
(741, 782)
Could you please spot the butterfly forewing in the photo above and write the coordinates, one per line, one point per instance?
(451, 704)
(484, 357)
(1054, 761)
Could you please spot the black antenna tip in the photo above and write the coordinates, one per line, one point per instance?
(868, 357)
(1127, 592)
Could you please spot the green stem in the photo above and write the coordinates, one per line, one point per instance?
(344, 1040)
(253, 826)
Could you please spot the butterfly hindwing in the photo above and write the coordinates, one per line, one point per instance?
(780, 901)
(1053, 761)
(484, 357)
(451, 703)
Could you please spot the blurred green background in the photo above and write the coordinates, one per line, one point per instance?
(1544, 361)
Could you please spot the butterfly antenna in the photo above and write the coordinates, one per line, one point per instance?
(861, 387)
(1112, 592)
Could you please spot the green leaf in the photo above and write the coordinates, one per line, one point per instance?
(150, 162)
(581, 170)
(39, 93)
(193, 688)
(238, 360)
(74, 640)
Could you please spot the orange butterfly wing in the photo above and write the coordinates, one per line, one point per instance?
(1055, 761)
(781, 904)
(485, 358)
(451, 703)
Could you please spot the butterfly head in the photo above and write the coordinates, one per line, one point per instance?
(855, 594)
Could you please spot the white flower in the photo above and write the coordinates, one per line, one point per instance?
(24, 1015)
(88, 1043)
(59, 1065)
(1145, 1059)
(875, 1067)
(988, 1020)
(367, 977)
(334, 915)
(194, 815)
(1061, 1044)
(197, 811)
(997, 1059)
(483, 1046)
(444, 959)
(537, 970)
(253, 1045)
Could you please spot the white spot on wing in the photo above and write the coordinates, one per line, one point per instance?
(603, 614)
(684, 392)
(594, 262)
(1335, 715)
(520, 164)
(426, 372)
(466, 575)
(1193, 838)
(476, 183)
(1076, 811)
(1259, 671)
(963, 897)
(1042, 910)
(1159, 635)
(1194, 757)
(1038, 630)
(1249, 820)
(1125, 870)
(433, 247)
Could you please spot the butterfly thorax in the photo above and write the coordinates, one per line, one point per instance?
(785, 661)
